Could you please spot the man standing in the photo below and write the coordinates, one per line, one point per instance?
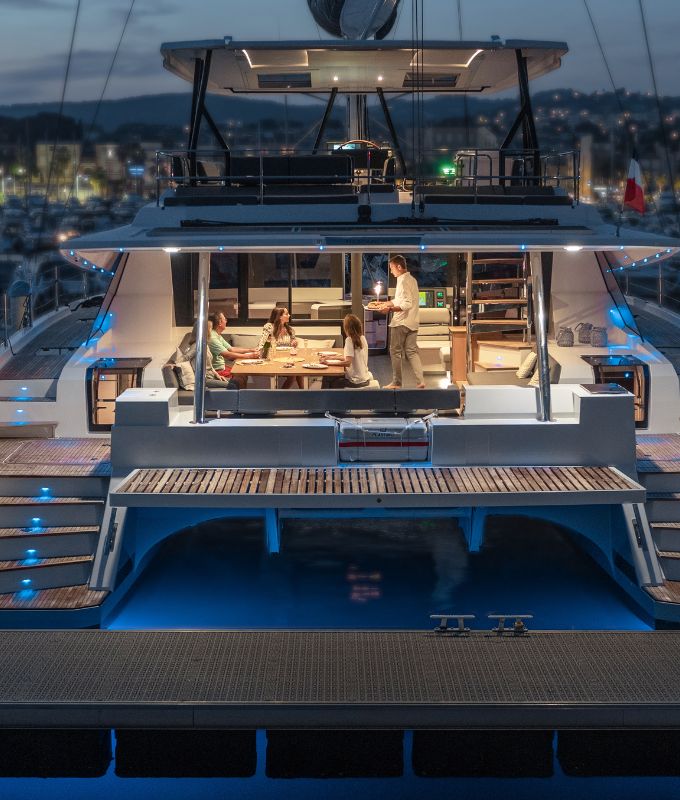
(404, 324)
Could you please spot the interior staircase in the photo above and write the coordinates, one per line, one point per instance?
(496, 300)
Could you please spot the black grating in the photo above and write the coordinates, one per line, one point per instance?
(429, 80)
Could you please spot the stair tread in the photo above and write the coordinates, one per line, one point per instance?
(511, 281)
(667, 592)
(668, 554)
(98, 470)
(57, 530)
(663, 495)
(63, 597)
(49, 501)
(8, 566)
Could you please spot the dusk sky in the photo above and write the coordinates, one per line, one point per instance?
(35, 36)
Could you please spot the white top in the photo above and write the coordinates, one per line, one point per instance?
(406, 298)
(358, 372)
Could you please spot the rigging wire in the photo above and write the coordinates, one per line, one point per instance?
(60, 116)
(662, 126)
(97, 109)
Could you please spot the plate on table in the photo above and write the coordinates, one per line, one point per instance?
(251, 361)
(329, 353)
(283, 347)
(335, 362)
(314, 365)
(288, 359)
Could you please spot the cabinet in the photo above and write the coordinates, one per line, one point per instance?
(108, 378)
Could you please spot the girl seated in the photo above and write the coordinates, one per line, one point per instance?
(280, 331)
(355, 358)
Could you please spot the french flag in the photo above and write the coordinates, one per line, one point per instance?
(635, 195)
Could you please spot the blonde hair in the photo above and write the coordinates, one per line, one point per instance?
(351, 324)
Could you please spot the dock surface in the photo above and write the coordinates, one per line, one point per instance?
(339, 679)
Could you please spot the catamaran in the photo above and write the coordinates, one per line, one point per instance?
(545, 400)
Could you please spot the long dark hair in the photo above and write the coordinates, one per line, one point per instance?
(354, 330)
(275, 319)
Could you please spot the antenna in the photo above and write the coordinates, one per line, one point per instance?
(355, 19)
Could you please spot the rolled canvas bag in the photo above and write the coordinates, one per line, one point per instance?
(584, 329)
(565, 337)
(598, 337)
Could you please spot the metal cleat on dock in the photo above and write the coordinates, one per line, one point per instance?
(443, 626)
(518, 627)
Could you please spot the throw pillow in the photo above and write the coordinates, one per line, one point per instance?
(185, 375)
(527, 366)
(534, 379)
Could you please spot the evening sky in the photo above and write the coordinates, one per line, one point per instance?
(35, 36)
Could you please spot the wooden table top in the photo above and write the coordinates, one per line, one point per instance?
(276, 366)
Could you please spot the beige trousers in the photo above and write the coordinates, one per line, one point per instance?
(404, 345)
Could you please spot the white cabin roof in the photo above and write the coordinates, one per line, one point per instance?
(360, 66)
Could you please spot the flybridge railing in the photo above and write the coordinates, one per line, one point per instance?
(471, 171)
(479, 169)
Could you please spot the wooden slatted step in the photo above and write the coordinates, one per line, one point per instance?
(515, 323)
(499, 301)
(667, 525)
(38, 563)
(668, 554)
(505, 281)
(57, 531)
(667, 592)
(62, 598)
(51, 501)
(514, 260)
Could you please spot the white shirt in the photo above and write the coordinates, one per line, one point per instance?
(406, 298)
(358, 372)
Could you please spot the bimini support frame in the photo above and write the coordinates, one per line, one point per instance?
(200, 112)
(324, 121)
(525, 118)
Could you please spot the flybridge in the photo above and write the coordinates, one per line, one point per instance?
(361, 66)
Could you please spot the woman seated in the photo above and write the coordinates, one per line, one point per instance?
(355, 358)
(213, 380)
(279, 331)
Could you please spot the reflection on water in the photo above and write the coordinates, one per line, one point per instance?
(371, 574)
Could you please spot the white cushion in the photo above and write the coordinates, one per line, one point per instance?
(527, 366)
(534, 379)
(185, 375)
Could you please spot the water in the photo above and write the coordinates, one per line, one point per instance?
(387, 574)
(374, 575)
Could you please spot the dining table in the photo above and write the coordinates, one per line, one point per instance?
(285, 364)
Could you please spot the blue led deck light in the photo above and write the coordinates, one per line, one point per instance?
(31, 553)
(35, 520)
(24, 388)
(20, 410)
(422, 246)
(26, 582)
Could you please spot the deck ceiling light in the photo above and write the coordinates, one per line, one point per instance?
(171, 249)
(573, 248)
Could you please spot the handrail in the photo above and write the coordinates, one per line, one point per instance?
(475, 168)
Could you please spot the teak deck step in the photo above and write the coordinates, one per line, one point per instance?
(56, 531)
(25, 430)
(515, 323)
(62, 598)
(38, 563)
(499, 301)
(511, 260)
(507, 281)
(357, 487)
(658, 453)
(667, 592)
